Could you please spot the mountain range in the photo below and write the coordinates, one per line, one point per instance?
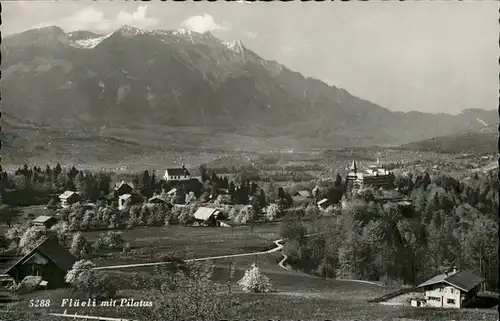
(132, 83)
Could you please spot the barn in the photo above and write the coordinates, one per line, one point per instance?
(206, 216)
(48, 259)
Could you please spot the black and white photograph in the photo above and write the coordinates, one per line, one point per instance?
(249, 160)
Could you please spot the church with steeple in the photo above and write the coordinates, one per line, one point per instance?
(376, 176)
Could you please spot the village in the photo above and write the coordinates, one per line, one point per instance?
(214, 206)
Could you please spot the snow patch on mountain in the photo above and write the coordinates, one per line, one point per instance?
(182, 32)
(159, 32)
(150, 96)
(129, 31)
(482, 122)
(122, 93)
(90, 43)
(235, 46)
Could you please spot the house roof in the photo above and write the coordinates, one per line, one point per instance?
(123, 183)
(303, 193)
(462, 280)
(172, 191)
(67, 194)
(156, 198)
(323, 201)
(353, 166)
(179, 171)
(204, 213)
(43, 219)
(51, 249)
(300, 199)
(227, 222)
(125, 196)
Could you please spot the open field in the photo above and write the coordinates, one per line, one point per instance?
(190, 242)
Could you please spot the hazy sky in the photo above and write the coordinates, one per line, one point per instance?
(425, 56)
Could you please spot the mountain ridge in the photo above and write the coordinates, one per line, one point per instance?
(176, 78)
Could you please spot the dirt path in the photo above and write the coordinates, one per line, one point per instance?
(278, 247)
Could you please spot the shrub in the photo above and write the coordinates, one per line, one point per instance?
(126, 248)
(254, 281)
(29, 284)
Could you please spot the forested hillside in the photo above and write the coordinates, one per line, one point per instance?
(451, 223)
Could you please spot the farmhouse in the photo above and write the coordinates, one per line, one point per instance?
(207, 216)
(123, 188)
(122, 201)
(451, 290)
(48, 259)
(68, 198)
(375, 176)
(299, 200)
(45, 221)
(177, 174)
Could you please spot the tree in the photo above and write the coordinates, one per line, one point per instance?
(8, 214)
(255, 281)
(184, 215)
(63, 232)
(89, 220)
(134, 216)
(80, 182)
(292, 229)
(246, 214)
(57, 170)
(31, 238)
(154, 247)
(272, 212)
(190, 198)
(79, 246)
(144, 215)
(312, 211)
(223, 199)
(83, 278)
(14, 234)
(203, 173)
(109, 240)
